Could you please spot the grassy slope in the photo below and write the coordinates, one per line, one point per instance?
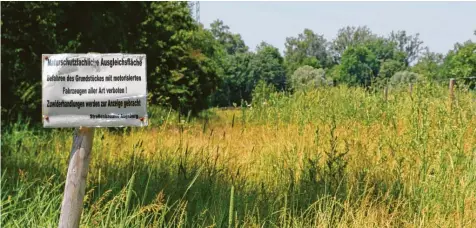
(339, 157)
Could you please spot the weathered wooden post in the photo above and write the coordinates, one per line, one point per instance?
(87, 91)
(75, 186)
(451, 87)
(385, 93)
(452, 93)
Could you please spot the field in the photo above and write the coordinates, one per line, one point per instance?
(332, 157)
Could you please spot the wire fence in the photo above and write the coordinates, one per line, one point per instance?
(446, 79)
(451, 81)
(469, 81)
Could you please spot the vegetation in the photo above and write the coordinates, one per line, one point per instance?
(286, 151)
(307, 77)
(181, 72)
(191, 68)
(327, 157)
(403, 78)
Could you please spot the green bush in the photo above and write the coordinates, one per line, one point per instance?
(307, 77)
(403, 78)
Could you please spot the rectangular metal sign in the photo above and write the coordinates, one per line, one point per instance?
(94, 90)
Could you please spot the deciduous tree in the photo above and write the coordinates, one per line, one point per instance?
(308, 48)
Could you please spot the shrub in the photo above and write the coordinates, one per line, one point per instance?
(306, 77)
(403, 78)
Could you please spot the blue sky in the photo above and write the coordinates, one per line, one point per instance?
(440, 24)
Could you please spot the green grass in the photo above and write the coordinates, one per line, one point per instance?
(334, 157)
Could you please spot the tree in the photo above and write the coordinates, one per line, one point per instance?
(196, 79)
(389, 67)
(350, 36)
(359, 66)
(267, 65)
(461, 62)
(409, 44)
(385, 50)
(242, 72)
(31, 29)
(237, 80)
(429, 65)
(235, 67)
(333, 74)
(180, 67)
(383, 62)
(306, 77)
(231, 42)
(308, 48)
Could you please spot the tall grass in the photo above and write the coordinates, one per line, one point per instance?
(334, 157)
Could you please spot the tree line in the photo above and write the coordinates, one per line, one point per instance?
(191, 68)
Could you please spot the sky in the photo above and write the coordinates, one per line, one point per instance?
(440, 24)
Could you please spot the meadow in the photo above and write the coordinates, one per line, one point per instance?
(329, 157)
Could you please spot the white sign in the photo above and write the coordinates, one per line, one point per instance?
(94, 90)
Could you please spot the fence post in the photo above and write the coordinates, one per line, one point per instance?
(75, 186)
(385, 93)
(411, 89)
(452, 93)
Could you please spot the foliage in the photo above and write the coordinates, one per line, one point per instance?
(389, 67)
(267, 65)
(371, 61)
(333, 74)
(409, 44)
(359, 66)
(308, 48)
(234, 66)
(332, 157)
(237, 80)
(181, 72)
(262, 93)
(232, 43)
(307, 77)
(461, 62)
(403, 78)
(429, 65)
(189, 67)
(31, 29)
(350, 36)
(385, 49)
(242, 70)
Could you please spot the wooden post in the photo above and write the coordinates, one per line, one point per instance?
(452, 92)
(385, 92)
(411, 89)
(75, 186)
